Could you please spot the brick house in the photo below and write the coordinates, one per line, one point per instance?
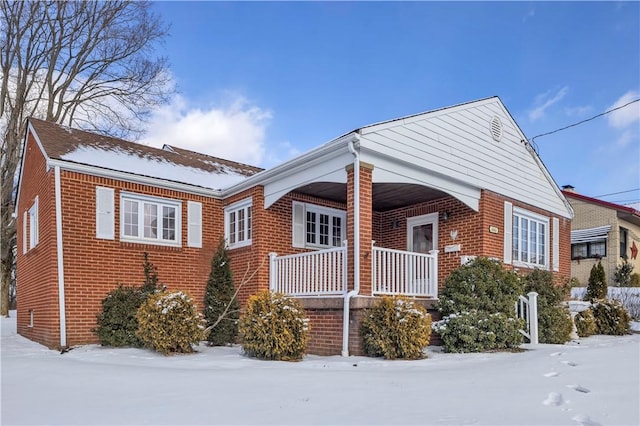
(390, 208)
(602, 231)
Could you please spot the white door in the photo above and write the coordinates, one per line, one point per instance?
(422, 233)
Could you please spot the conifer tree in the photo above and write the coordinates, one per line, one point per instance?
(597, 286)
(220, 303)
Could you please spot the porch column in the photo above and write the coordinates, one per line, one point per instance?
(366, 226)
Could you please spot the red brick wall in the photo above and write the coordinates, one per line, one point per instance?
(37, 282)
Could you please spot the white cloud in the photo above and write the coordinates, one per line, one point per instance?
(546, 100)
(625, 138)
(625, 116)
(233, 131)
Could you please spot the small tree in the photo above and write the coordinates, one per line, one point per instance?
(220, 303)
(622, 275)
(597, 286)
(150, 276)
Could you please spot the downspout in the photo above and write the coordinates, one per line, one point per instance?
(356, 244)
(61, 303)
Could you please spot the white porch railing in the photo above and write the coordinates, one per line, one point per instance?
(318, 273)
(403, 272)
(527, 309)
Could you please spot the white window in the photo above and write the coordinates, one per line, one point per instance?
(238, 223)
(33, 225)
(149, 219)
(317, 227)
(530, 239)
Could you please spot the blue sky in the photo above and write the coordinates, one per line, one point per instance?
(261, 82)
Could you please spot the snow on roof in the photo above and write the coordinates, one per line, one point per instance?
(171, 163)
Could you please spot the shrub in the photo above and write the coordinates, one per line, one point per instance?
(220, 303)
(478, 331)
(611, 317)
(480, 285)
(597, 285)
(554, 320)
(117, 323)
(634, 280)
(274, 327)
(396, 327)
(585, 323)
(622, 274)
(169, 322)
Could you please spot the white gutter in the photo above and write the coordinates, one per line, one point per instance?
(356, 243)
(61, 303)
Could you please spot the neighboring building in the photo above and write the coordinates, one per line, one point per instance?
(390, 208)
(602, 231)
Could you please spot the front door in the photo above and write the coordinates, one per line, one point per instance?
(422, 233)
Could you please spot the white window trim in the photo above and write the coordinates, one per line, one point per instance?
(517, 211)
(301, 241)
(234, 208)
(160, 202)
(34, 231)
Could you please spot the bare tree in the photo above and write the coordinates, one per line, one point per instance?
(87, 64)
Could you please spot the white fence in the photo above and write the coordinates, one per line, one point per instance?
(403, 272)
(527, 309)
(628, 296)
(318, 273)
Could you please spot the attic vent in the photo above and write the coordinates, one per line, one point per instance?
(496, 129)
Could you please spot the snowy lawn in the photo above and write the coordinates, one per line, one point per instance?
(593, 381)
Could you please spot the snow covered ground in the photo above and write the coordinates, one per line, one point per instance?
(587, 382)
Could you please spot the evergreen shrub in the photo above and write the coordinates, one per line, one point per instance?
(117, 323)
(274, 327)
(220, 303)
(169, 322)
(481, 285)
(634, 280)
(554, 319)
(611, 317)
(396, 327)
(622, 274)
(597, 284)
(479, 331)
(585, 323)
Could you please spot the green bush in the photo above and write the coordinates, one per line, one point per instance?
(622, 274)
(554, 320)
(396, 327)
(117, 323)
(479, 331)
(597, 285)
(169, 322)
(585, 323)
(611, 317)
(220, 303)
(274, 327)
(635, 280)
(554, 324)
(481, 284)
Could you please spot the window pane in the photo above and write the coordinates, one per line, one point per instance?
(150, 228)
(311, 227)
(232, 227)
(524, 240)
(516, 238)
(578, 250)
(249, 224)
(130, 218)
(324, 229)
(241, 225)
(598, 249)
(542, 239)
(169, 223)
(337, 232)
(533, 246)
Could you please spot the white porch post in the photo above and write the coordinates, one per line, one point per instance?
(273, 273)
(533, 317)
(434, 277)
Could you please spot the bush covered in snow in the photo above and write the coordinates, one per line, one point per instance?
(611, 317)
(482, 284)
(554, 319)
(169, 322)
(396, 327)
(585, 323)
(479, 331)
(274, 327)
(117, 323)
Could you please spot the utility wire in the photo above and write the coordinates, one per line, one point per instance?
(616, 193)
(584, 121)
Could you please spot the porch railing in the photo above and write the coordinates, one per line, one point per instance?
(527, 309)
(403, 272)
(318, 273)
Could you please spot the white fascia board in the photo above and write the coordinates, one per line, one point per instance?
(130, 177)
(30, 130)
(324, 152)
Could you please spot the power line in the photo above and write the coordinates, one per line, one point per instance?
(584, 121)
(616, 193)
